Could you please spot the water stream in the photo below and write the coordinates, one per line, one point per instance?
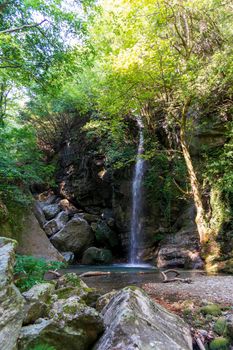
(136, 214)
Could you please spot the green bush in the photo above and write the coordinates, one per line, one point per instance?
(29, 270)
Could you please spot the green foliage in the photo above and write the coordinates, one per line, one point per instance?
(162, 178)
(29, 270)
(21, 165)
(220, 344)
(219, 169)
(115, 139)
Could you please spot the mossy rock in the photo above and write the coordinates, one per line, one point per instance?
(220, 344)
(220, 326)
(211, 309)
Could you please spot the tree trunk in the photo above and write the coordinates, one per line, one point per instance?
(195, 186)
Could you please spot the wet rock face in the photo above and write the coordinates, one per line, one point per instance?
(74, 237)
(181, 249)
(133, 321)
(11, 301)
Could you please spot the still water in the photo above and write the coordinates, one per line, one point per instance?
(121, 275)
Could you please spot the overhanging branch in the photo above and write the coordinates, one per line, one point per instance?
(25, 26)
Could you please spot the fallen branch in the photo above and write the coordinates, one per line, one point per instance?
(199, 343)
(174, 279)
(55, 273)
(94, 273)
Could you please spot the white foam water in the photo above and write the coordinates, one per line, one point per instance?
(136, 213)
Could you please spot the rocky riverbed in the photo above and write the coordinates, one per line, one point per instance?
(203, 287)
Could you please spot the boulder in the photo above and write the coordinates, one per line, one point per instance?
(37, 300)
(74, 237)
(133, 321)
(90, 217)
(72, 325)
(53, 226)
(33, 240)
(39, 214)
(68, 257)
(51, 210)
(11, 301)
(50, 227)
(104, 235)
(95, 255)
(71, 285)
(103, 300)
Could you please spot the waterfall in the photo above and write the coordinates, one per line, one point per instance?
(136, 213)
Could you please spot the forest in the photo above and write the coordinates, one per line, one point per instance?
(116, 147)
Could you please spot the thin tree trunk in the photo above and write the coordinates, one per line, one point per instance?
(195, 186)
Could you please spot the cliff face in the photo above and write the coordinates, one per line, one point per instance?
(96, 187)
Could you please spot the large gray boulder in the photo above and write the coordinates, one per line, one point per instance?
(33, 240)
(71, 325)
(11, 301)
(74, 237)
(37, 301)
(134, 321)
(97, 256)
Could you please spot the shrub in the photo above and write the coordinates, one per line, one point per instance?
(29, 270)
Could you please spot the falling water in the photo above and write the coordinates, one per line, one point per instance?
(136, 214)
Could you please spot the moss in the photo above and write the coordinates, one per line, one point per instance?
(73, 280)
(211, 309)
(220, 344)
(64, 293)
(70, 309)
(220, 326)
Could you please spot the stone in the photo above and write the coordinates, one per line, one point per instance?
(71, 280)
(90, 217)
(50, 227)
(133, 321)
(95, 255)
(53, 226)
(68, 257)
(67, 206)
(72, 325)
(104, 235)
(39, 214)
(34, 241)
(74, 237)
(37, 301)
(103, 300)
(11, 301)
(51, 210)
(71, 285)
